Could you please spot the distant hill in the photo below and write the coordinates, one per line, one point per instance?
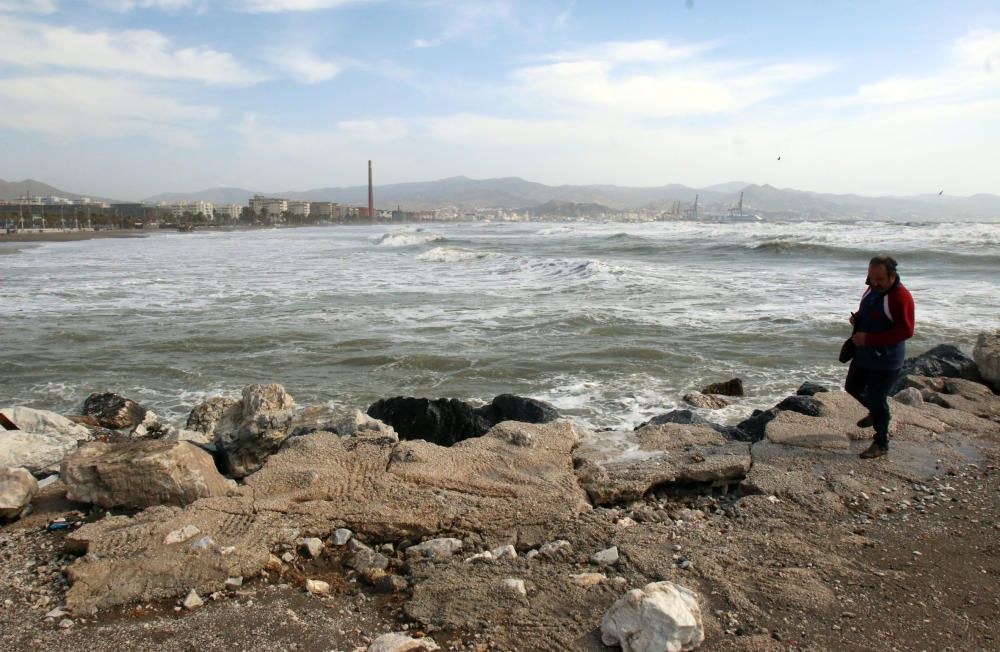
(32, 188)
(514, 193)
(213, 195)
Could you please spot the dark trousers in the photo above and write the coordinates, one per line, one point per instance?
(871, 388)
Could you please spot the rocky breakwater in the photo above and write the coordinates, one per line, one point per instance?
(532, 536)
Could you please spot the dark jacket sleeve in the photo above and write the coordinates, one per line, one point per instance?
(901, 307)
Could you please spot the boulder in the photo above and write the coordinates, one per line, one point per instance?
(246, 432)
(699, 400)
(446, 421)
(752, 429)
(352, 423)
(508, 407)
(664, 456)
(45, 423)
(944, 360)
(660, 617)
(41, 442)
(732, 387)
(802, 404)
(401, 642)
(213, 412)
(987, 356)
(443, 421)
(17, 488)
(113, 410)
(141, 474)
(684, 417)
(909, 396)
(810, 389)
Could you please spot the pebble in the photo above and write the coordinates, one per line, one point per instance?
(514, 585)
(312, 547)
(607, 557)
(317, 587)
(341, 536)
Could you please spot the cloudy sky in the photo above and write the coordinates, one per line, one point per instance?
(127, 98)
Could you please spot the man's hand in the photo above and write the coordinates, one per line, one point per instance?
(859, 339)
(852, 318)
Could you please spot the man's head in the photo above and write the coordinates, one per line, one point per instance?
(882, 272)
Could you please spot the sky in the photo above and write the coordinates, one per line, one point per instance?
(129, 98)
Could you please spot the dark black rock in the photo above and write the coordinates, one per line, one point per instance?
(508, 407)
(683, 417)
(113, 411)
(752, 429)
(443, 421)
(686, 418)
(943, 360)
(801, 404)
(810, 389)
(733, 387)
(446, 421)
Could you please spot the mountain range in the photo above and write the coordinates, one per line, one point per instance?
(514, 193)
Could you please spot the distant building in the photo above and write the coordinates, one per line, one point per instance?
(273, 207)
(228, 212)
(325, 210)
(204, 208)
(299, 208)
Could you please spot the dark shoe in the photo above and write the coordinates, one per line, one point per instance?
(866, 422)
(874, 451)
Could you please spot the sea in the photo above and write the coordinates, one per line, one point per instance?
(612, 323)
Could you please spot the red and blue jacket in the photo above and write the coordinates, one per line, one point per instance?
(887, 320)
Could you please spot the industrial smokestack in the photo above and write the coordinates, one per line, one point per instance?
(371, 193)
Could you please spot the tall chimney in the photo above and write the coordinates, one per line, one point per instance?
(371, 193)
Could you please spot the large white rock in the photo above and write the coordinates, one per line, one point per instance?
(400, 642)
(140, 474)
(41, 442)
(660, 617)
(45, 422)
(986, 353)
(17, 488)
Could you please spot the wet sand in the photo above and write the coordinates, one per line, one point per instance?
(70, 236)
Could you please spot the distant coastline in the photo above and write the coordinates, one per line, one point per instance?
(69, 236)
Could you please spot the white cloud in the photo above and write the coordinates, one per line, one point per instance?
(72, 107)
(141, 52)
(277, 6)
(654, 79)
(29, 6)
(462, 18)
(129, 5)
(304, 66)
(972, 73)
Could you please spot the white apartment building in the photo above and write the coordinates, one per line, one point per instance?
(229, 212)
(194, 207)
(274, 207)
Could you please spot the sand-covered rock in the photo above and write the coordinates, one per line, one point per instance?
(656, 456)
(17, 488)
(660, 617)
(141, 474)
(319, 482)
(401, 642)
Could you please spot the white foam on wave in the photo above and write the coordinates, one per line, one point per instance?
(408, 238)
(453, 255)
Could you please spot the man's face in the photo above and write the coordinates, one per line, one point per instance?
(880, 277)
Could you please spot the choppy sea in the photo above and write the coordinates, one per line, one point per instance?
(612, 323)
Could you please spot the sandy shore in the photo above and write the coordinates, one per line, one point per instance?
(70, 236)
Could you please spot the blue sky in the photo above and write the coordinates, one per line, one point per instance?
(127, 98)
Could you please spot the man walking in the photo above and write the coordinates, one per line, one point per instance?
(883, 323)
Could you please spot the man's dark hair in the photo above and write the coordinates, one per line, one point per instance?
(885, 261)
